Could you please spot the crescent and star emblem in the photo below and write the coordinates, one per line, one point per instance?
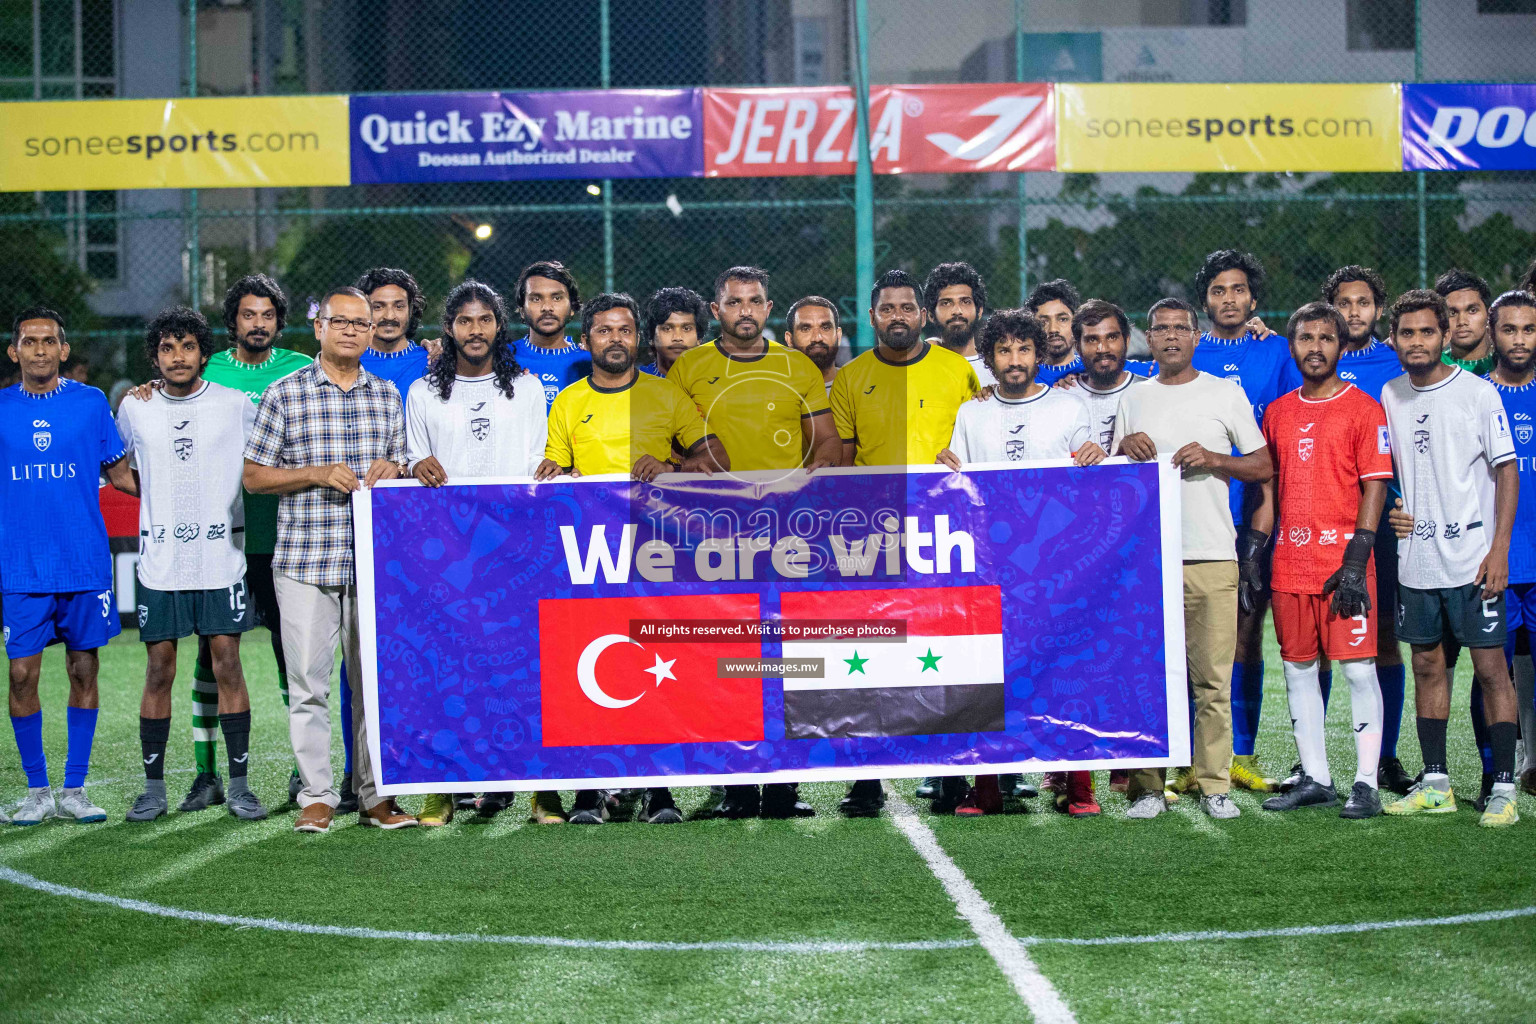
(586, 671)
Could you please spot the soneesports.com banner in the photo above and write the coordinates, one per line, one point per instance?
(852, 624)
(246, 141)
(1469, 127)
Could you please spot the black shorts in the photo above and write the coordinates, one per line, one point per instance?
(173, 614)
(1429, 616)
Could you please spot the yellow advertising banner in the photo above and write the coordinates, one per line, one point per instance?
(1264, 126)
(214, 142)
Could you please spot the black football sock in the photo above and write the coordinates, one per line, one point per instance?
(1432, 744)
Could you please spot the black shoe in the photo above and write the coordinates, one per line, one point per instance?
(1481, 803)
(928, 788)
(591, 808)
(348, 802)
(952, 790)
(295, 784)
(492, 804)
(1392, 777)
(1306, 793)
(1291, 779)
(465, 802)
(864, 800)
(657, 808)
(782, 800)
(739, 802)
(207, 790)
(1364, 802)
(1023, 789)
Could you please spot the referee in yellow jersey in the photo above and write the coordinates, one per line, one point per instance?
(895, 405)
(620, 420)
(768, 403)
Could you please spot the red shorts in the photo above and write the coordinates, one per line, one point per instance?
(1304, 623)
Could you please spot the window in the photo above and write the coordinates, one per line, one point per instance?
(810, 51)
(1506, 6)
(1379, 24)
(67, 50)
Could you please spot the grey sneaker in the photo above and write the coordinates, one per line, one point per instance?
(148, 807)
(246, 806)
(1219, 805)
(1148, 805)
(928, 788)
(1306, 793)
(295, 784)
(1364, 802)
(74, 804)
(207, 790)
(37, 808)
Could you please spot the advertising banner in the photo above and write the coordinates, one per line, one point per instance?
(225, 142)
(1244, 127)
(751, 627)
(1469, 127)
(916, 129)
(509, 136)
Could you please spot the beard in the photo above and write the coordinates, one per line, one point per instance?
(820, 354)
(900, 336)
(258, 340)
(958, 334)
(616, 359)
(746, 329)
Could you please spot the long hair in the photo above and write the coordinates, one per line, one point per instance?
(378, 277)
(504, 362)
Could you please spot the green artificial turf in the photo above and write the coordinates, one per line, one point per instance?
(816, 880)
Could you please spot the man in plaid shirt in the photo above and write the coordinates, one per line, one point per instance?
(321, 433)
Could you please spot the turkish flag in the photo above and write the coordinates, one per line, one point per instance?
(598, 687)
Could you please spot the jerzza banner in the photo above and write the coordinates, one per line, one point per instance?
(856, 623)
(1268, 126)
(1469, 127)
(506, 136)
(931, 129)
(246, 141)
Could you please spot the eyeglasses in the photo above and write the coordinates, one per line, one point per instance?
(341, 323)
(1164, 330)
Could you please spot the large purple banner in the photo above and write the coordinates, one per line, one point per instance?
(512, 136)
(1469, 126)
(852, 624)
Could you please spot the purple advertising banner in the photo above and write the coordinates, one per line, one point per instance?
(856, 623)
(514, 136)
(1469, 127)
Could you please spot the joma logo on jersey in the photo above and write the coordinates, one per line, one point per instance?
(1304, 448)
(1421, 441)
(480, 426)
(182, 447)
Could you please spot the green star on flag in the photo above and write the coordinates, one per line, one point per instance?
(929, 660)
(856, 664)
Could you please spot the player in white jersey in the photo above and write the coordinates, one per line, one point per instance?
(1455, 461)
(957, 301)
(1101, 332)
(185, 442)
(1023, 420)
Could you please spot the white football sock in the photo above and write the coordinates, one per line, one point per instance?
(1305, 695)
(1365, 709)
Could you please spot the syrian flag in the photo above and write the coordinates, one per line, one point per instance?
(945, 677)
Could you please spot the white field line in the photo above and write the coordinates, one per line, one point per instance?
(1044, 1002)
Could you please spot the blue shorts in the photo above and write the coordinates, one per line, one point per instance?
(1520, 602)
(84, 620)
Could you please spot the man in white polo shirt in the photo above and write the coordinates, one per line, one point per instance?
(1197, 418)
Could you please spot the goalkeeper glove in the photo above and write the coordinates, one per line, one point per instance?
(1348, 585)
(1250, 570)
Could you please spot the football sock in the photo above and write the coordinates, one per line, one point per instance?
(346, 722)
(1365, 708)
(1480, 728)
(1524, 671)
(80, 723)
(1325, 684)
(1247, 705)
(1306, 702)
(29, 743)
(205, 718)
(237, 742)
(1502, 738)
(1393, 680)
(154, 733)
(1432, 743)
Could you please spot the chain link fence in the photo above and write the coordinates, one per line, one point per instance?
(110, 259)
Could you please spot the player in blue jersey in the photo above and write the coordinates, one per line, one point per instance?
(1512, 322)
(546, 296)
(1240, 348)
(1054, 303)
(396, 301)
(56, 437)
(676, 320)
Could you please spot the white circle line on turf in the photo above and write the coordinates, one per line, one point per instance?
(26, 881)
(21, 878)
